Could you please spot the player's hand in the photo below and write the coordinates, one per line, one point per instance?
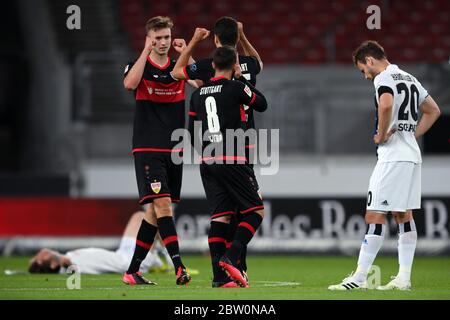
(380, 140)
(377, 139)
(200, 34)
(149, 44)
(179, 45)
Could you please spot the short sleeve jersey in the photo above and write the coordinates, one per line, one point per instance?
(408, 95)
(218, 105)
(203, 70)
(160, 107)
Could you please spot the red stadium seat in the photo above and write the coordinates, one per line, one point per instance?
(289, 31)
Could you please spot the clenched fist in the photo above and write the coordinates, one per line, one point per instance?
(179, 45)
(200, 34)
(149, 44)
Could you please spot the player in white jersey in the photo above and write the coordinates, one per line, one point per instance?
(98, 260)
(395, 184)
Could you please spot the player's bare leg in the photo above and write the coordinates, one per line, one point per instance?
(244, 233)
(373, 240)
(144, 241)
(132, 228)
(407, 240)
(168, 233)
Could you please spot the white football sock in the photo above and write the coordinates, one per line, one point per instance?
(407, 240)
(372, 243)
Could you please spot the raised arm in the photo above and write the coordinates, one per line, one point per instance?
(249, 50)
(134, 75)
(178, 71)
(430, 113)
(179, 45)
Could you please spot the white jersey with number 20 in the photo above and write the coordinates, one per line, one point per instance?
(408, 95)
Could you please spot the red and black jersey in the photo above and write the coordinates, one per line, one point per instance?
(219, 106)
(250, 67)
(160, 108)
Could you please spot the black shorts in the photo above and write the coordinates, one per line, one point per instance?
(230, 186)
(157, 176)
(252, 172)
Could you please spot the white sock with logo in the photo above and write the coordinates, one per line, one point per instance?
(372, 243)
(407, 240)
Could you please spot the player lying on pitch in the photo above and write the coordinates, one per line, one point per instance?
(98, 260)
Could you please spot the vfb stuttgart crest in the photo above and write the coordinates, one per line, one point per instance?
(156, 186)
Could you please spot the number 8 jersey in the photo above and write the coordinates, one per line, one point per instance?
(408, 95)
(219, 106)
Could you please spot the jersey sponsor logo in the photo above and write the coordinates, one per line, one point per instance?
(162, 76)
(248, 91)
(161, 92)
(406, 127)
(156, 186)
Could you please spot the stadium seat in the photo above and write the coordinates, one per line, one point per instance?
(300, 27)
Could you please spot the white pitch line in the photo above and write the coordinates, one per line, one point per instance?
(277, 283)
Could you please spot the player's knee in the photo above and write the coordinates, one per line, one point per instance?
(223, 219)
(375, 217)
(402, 217)
(163, 206)
(260, 212)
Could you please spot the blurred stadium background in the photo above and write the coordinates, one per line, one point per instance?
(66, 171)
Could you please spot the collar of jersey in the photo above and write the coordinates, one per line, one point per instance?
(157, 66)
(392, 66)
(218, 78)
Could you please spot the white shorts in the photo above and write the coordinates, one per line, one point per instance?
(395, 186)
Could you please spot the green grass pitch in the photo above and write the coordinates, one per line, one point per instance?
(271, 277)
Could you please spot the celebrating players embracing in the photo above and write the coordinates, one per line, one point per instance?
(228, 32)
(227, 180)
